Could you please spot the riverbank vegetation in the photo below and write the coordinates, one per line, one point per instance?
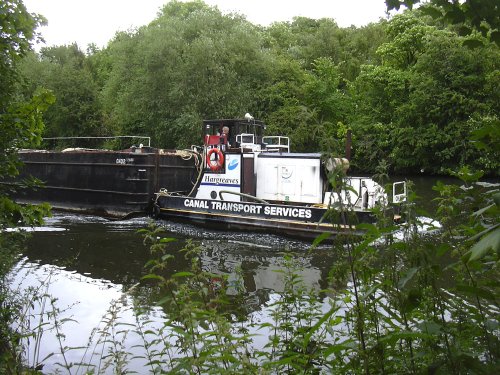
(21, 126)
(409, 302)
(423, 303)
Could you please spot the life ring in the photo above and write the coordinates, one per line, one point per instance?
(216, 163)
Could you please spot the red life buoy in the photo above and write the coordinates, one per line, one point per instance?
(218, 161)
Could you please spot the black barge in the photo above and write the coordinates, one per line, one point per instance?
(103, 182)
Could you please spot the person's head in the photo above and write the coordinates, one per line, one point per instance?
(225, 130)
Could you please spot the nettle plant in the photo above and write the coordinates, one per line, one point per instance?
(413, 303)
(205, 331)
(427, 302)
(422, 302)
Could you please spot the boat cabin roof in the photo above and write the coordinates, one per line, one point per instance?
(246, 133)
(236, 126)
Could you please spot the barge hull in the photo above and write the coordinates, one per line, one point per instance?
(107, 183)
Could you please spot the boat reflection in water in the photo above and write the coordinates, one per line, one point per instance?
(93, 265)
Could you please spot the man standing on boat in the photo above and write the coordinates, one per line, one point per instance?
(225, 134)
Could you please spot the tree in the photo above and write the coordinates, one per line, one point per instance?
(190, 63)
(468, 15)
(20, 122)
(20, 127)
(17, 30)
(66, 71)
(306, 40)
(423, 96)
(282, 104)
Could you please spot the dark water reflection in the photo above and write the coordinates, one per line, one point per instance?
(90, 265)
(92, 262)
(113, 251)
(91, 246)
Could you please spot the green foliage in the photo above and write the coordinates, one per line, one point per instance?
(426, 303)
(20, 127)
(283, 105)
(469, 15)
(306, 40)
(17, 33)
(309, 107)
(200, 334)
(425, 94)
(297, 327)
(407, 34)
(20, 122)
(66, 72)
(190, 63)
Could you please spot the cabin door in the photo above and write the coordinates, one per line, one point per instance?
(248, 175)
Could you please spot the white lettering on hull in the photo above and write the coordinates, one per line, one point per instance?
(288, 211)
(250, 209)
(237, 207)
(195, 203)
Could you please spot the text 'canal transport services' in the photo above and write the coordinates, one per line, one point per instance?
(256, 209)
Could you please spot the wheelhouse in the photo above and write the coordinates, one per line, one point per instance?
(238, 131)
(244, 134)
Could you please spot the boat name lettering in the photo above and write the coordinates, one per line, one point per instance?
(221, 180)
(237, 207)
(195, 203)
(253, 209)
(125, 161)
(288, 211)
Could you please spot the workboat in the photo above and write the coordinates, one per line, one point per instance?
(113, 183)
(252, 182)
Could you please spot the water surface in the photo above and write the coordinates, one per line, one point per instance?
(93, 268)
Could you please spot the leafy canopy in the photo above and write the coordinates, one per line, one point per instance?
(20, 121)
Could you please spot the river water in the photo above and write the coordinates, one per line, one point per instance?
(91, 268)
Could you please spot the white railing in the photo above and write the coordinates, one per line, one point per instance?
(247, 141)
(272, 142)
(399, 192)
(277, 143)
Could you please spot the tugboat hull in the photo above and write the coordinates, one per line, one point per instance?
(252, 182)
(300, 222)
